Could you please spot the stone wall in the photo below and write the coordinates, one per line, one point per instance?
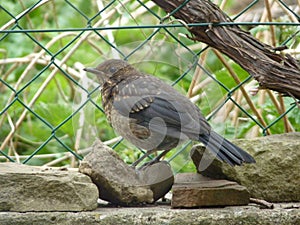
(160, 215)
(35, 195)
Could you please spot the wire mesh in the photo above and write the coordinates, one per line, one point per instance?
(50, 109)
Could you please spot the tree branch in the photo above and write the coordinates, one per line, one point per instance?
(271, 70)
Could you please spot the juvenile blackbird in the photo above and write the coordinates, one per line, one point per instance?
(153, 116)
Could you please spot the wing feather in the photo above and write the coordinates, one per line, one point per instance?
(148, 97)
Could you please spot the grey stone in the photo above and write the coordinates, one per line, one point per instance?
(159, 177)
(207, 164)
(163, 215)
(274, 177)
(192, 190)
(121, 184)
(28, 188)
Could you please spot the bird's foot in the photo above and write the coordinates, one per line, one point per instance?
(151, 162)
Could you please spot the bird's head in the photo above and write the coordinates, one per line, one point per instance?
(108, 68)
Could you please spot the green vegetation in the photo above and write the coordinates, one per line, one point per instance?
(42, 71)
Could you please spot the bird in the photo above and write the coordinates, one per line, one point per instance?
(154, 116)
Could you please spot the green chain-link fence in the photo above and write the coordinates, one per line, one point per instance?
(50, 110)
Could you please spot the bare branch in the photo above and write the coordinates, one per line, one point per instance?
(272, 70)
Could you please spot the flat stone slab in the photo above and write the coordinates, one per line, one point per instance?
(28, 188)
(287, 214)
(192, 190)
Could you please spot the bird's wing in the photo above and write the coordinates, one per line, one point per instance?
(145, 98)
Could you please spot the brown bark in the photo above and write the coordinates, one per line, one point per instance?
(272, 70)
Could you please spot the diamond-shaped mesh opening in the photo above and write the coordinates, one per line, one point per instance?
(51, 111)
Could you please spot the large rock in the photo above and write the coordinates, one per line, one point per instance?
(192, 190)
(274, 177)
(27, 188)
(121, 184)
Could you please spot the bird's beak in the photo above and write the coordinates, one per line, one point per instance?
(100, 75)
(91, 70)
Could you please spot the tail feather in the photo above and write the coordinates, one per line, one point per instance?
(225, 150)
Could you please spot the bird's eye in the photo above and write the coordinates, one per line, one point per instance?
(112, 69)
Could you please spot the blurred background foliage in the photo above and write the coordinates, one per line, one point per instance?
(50, 107)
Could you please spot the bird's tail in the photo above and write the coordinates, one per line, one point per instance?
(225, 150)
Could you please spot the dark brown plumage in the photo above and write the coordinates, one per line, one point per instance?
(154, 116)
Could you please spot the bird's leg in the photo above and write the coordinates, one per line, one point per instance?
(155, 160)
(149, 152)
